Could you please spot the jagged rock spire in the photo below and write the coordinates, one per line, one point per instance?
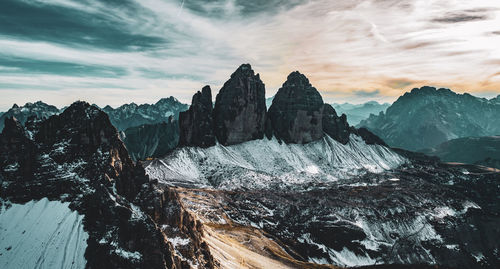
(240, 108)
(196, 124)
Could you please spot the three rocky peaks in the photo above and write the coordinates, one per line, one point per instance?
(297, 114)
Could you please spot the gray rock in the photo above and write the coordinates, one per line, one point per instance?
(196, 124)
(240, 108)
(296, 111)
(336, 127)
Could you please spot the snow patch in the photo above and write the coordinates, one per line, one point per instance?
(41, 234)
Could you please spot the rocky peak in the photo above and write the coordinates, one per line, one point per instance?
(77, 157)
(240, 108)
(196, 124)
(296, 111)
(334, 126)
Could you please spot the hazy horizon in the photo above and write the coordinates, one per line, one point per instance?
(112, 53)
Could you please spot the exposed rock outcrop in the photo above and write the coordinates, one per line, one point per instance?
(240, 108)
(78, 157)
(296, 111)
(336, 127)
(196, 124)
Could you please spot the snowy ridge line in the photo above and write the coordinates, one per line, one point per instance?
(263, 163)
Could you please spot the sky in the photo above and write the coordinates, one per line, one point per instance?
(121, 51)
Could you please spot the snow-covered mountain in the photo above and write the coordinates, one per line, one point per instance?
(132, 115)
(358, 112)
(38, 109)
(426, 117)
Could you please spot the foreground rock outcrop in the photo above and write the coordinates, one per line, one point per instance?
(78, 157)
(240, 108)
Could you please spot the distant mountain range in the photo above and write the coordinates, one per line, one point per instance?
(148, 130)
(132, 115)
(38, 109)
(472, 150)
(426, 117)
(357, 112)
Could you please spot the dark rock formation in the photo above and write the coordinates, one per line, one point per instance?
(78, 157)
(196, 124)
(240, 108)
(334, 126)
(369, 137)
(296, 111)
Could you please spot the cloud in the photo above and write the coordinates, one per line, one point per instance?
(399, 83)
(146, 49)
(365, 93)
(459, 17)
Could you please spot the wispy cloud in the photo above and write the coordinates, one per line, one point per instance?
(141, 50)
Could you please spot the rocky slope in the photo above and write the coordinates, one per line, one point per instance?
(426, 117)
(133, 115)
(358, 112)
(471, 150)
(78, 159)
(22, 113)
(151, 140)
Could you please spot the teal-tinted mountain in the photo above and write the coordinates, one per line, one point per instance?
(38, 109)
(357, 112)
(472, 150)
(132, 115)
(151, 140)
(427, 117)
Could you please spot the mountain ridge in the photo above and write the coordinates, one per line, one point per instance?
(426, 116)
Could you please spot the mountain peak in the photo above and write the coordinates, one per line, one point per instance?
(240, 108)
(244, 70)
(297, 78)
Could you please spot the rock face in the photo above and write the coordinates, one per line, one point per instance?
(240, 108)
(297, 114)
(336, 127)
(78, 157)
(196, 124)
(296, 111)
(427, 117)
(151, 140)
